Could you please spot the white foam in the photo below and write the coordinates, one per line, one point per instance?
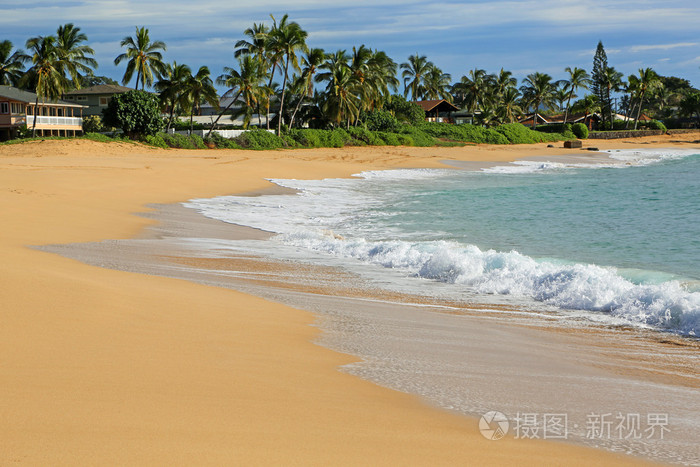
(307, 220)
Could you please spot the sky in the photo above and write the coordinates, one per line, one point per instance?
(522, 36)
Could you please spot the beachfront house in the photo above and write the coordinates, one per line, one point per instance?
(53, 118)
(95, 98)
(590, 120)
(438, 110)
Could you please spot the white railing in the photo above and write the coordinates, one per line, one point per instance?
(224, 133)
(62, 121)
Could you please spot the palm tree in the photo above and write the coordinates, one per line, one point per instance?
(561, 94)
(612, 82)
(508, 108)
(648, 82)
(382, 76)
(503, 82)
(74, 56)
(588, 105)
(172, 88)
(46, 74)
(474, 89)
(578, 79)
(538, 90)
(143, 56)
(413, 74)
(200, 88)
(342, 100)
(309, 66)
(437, 84)
(11, 63)
(246, 82)
(256, 45)
(288, 39)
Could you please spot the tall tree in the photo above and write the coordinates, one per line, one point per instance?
(46, 73)
(287, 39)
(599, 85)
(414, 71)
(309, 66)
(11, 63)
(648, 82)
(143, 56)
(172, 87)
(437, 84)
(578, 79)
(75, 56)
(538, 90)
(200, 88)
(474, 89)
(246, 82)
(612, 82)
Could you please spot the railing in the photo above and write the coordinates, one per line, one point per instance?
(62, 121)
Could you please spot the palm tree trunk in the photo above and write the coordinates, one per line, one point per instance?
(36, 109)
(213, 125)
(138, 76)
(639, 110)
(284, 89)
(296, 109)
(568, 102)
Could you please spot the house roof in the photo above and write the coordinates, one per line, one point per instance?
(11, 92)
(445, 106)
(99, 89)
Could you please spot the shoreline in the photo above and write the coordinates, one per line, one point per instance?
(105, 343)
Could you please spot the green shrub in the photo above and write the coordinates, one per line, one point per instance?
(464, 132)
(177, 140)
(656, 125)
(337, 138)
(259, 139)
(365, 137)
(306, 138)
(390, 139)
(223, 143)
(405, 111)
(137, 113)
(580, 130)
(381, 120)
(417, 137)
(92, 124)
(198, 142)
(405, 140)
(156, 140)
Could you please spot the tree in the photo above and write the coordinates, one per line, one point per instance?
(437, 84)
(137, 113)
(143, 57)
(578, 79)
(648, 82)
(11, 64)
(587, 106)
(246, 82)
(287, 39)
(690, 105)
(414, 71)
(309, 66)
(612, 82)
(172, 87)
(474, 88)
(75, 57)
(600, 78)
(508, 108)
(197, 89)
(91, 80)
(538, 90)
(342, 102)
(46, 74)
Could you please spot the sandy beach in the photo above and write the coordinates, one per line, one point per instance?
(101, 366)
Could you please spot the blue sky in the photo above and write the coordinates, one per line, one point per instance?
(521, 36)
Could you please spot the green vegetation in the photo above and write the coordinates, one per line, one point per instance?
(339, 98)
(136, 113)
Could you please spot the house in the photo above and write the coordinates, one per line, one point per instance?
(95, 97)
(590, 120)
(53, 118)
(438, 110)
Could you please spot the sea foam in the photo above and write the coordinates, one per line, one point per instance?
(308, 220)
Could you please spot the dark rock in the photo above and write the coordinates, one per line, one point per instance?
(573, 144)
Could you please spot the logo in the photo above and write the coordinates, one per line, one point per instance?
(493, 425)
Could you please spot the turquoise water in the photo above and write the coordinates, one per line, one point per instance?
(645, 218)
(618, 240)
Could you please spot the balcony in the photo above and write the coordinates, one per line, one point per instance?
(55, 121)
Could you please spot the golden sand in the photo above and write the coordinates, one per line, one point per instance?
(103, 367)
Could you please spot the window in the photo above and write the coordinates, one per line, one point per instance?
(17, 108)
(82, 98)
(4, 108)
(70, 98)
(104, 101)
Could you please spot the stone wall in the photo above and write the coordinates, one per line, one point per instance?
(623, 134)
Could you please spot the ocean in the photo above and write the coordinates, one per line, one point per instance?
(612, 241)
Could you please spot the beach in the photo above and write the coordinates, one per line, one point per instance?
(107, 366)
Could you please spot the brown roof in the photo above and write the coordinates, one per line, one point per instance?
(428, 106)
(100, 89)
(20, 95)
